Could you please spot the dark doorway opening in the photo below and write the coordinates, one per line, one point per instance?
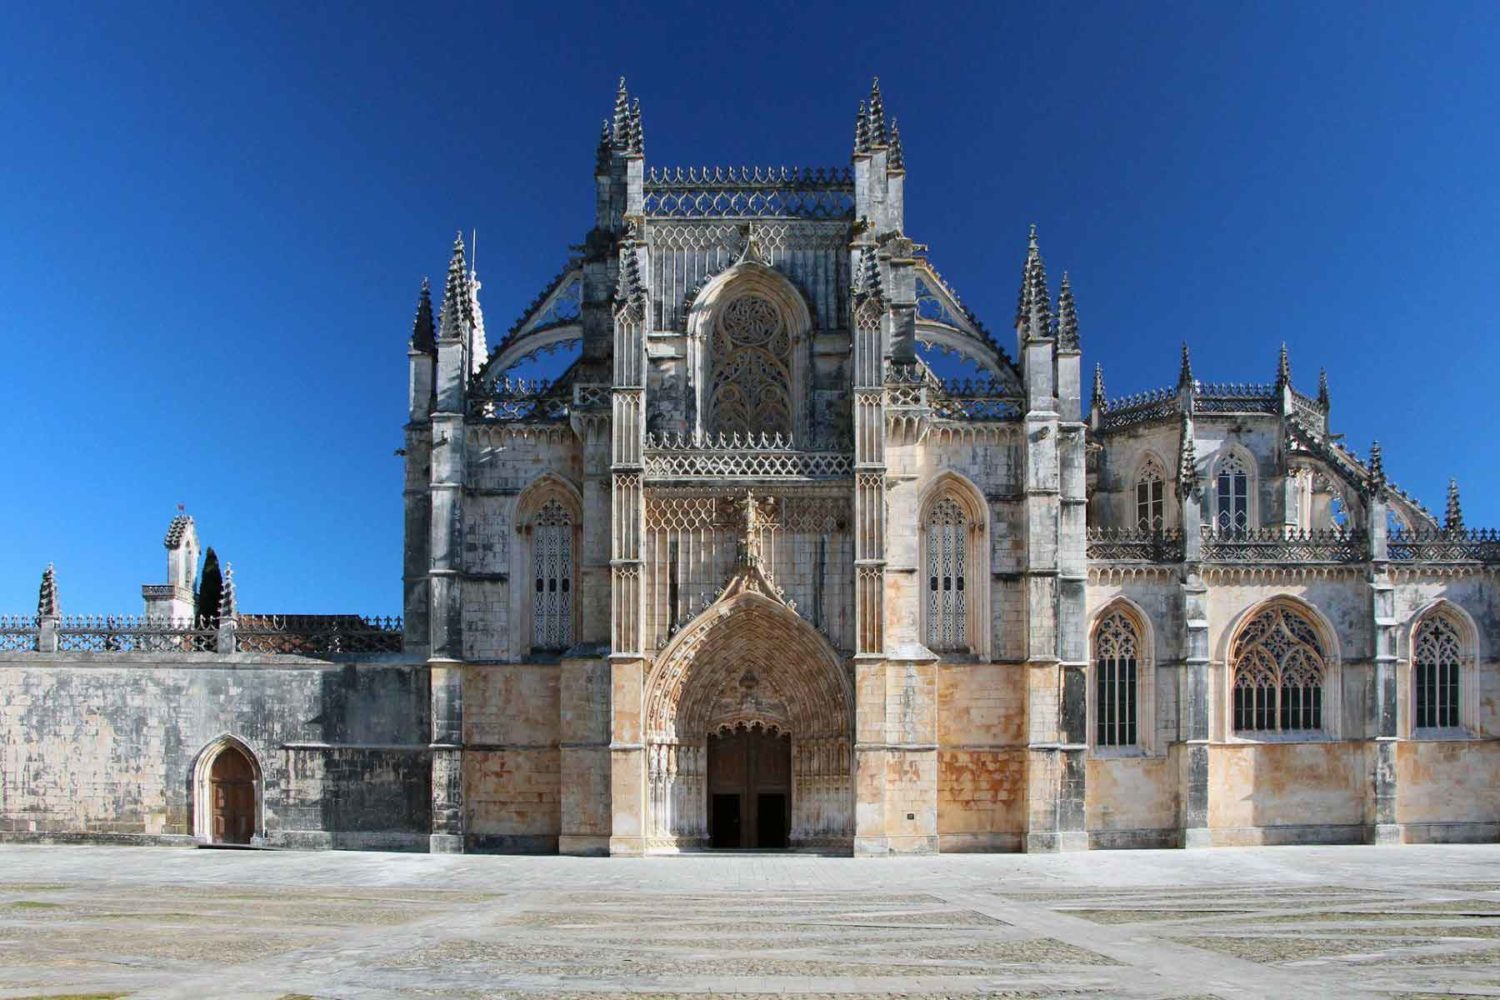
(750, 788)
(231, 783)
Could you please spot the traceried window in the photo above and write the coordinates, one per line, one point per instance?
(1279, 669)
(1117, 652)
(1149, 497)
(552, 568)
(749, 385)
(947, 572)
(1437, 658)
(1232, 512)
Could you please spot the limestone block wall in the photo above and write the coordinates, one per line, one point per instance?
(512, 762)
(981, 777)
(1132, 800)
(104, 746)
(1269, 793)
(1112, 501)
(1447, 790)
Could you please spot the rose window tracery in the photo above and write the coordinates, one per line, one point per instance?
(750, 381)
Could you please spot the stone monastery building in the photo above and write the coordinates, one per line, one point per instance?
(752, 572)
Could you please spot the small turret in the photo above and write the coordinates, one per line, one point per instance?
(1453, 515)
(455, 325)
(1067, 317)
(176, 599)
(1033, 309)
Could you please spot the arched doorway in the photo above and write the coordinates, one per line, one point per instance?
(231, 798)
(749, 714)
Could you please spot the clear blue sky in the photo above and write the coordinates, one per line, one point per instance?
(213, 226)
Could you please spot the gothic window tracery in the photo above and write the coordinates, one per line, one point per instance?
(750, 380)
(552, 570)
(1150, 494)
(1232, 494)
(1279, 673)
(1437, 659)
(947, 572)
(1117, 653)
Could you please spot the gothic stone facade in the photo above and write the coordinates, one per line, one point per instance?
(752, 572)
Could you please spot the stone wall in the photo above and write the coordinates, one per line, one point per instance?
(105, 746)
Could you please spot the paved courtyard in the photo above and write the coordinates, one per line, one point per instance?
(1279, 922)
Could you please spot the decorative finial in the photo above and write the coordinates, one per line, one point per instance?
(629, 290)
(1377, 464)
(867, 282)
(896, 161)
(877, 114)
(1323, 388)
(1067, 316)
(1187, 463)
(605, 149)
(635, 137)
(862, 130)
(46, 601)
(1185, 370)
(479, 348)
(1283, 368)
(423, 334)
(1098, 400)
(228, 604)
(454, 322)
(1034, 309)
(620, 124)
(1453, 516)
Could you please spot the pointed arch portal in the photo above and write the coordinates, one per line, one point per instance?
(757, 688)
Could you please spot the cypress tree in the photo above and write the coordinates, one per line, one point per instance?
(210, 590)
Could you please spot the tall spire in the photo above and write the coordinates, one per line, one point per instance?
(1185, 370)
(1453, 515)
(456, 317)
(479, 348)
(1067, 317)
(1377, 464)
(228, 603)
(1034, 311)
(423, 336)
(46, 600)
(877, 114)
(1098, 398)
(635, 137)
(1283, 368)
(862, 130)
(896, 162)
(1323, 388)
(620, 124)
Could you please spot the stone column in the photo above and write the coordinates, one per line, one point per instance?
(1382, 721)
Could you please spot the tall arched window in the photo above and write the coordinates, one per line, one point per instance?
(1150, 494)
(1232, 496)
(1279, 670)
(1437, 664)
(552, 568)
(749, 385)
(947, 576)
(1117, 656)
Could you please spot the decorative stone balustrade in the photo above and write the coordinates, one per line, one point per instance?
(307, 635)
(732, 456)
(749, 192)
(1464, 545)
(1129, 544)
(1286, 545)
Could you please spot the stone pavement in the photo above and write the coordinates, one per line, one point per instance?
(1393, 922)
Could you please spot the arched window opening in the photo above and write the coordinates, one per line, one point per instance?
(750, 379)
(947, 572)
(552, 568)
(1150, 493)
(1117, 652)
(1437, 658)
(1279, 673)
(1232, 513)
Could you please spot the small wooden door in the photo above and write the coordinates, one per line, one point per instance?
(232, 788)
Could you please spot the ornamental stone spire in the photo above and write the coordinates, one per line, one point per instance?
(423, 335)
(896, 162)
(862, 130)
(455, 319)
(228, 602)
(46, 601)
(635, 133)
(1323, 388)
(1377, 465)
(1453, 515)
(867, 283)
(620, 124)
(1067, 317)
(1097, 401)
(604, 150)
(1187, 462)
(1033, 310)
(1185, 370)
(629, 290)
(1283, 368)
(479, 349)
(877, 115)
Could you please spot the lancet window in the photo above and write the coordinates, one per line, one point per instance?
(1117, 655)
(1232, 513)
(1279, 673)
(552, 566)
(947, 576)
(1437, 662)
(750, 381)
(1150, 493)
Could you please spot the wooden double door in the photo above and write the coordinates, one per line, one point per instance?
(749, 789)
(231, 783)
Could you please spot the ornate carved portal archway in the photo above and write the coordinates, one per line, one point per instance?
(749, 663)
